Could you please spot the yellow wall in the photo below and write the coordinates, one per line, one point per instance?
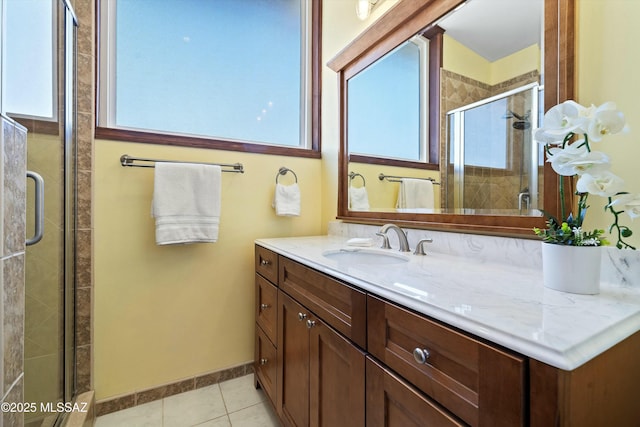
(166, 313)
(462, 60)
(607, 64)
(163, 313)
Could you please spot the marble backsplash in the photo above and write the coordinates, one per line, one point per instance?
(619, 267)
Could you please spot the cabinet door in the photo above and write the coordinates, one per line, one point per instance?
(336, 378)
(293, 362)
(393, 403)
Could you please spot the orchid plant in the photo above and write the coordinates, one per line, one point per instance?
(568, 132)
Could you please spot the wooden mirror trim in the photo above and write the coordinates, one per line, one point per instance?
(401, 22)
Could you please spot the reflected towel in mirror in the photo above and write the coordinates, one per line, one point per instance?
(415, 193)
(358, 199)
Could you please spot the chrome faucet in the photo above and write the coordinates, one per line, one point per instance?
(402, 238)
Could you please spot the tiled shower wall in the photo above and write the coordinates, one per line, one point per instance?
(85, 11)
(13, 150)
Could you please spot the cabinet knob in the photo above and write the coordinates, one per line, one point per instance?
(265, 262)
(311, 323)
(302, 316)
(264, 306)
(421, 355)
(263, 361)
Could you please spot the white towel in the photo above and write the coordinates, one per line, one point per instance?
(358, 199)
(186, 202)
(415, 193)
(286, 200)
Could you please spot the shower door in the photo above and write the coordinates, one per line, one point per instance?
(494, 164)
(39, 66)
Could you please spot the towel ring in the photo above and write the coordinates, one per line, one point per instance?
(352, 175)
(283, 171)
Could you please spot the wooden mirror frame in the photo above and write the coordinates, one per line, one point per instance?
(407, 18)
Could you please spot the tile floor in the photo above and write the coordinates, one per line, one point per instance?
(233, 403)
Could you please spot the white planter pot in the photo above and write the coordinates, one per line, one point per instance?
(574, 269)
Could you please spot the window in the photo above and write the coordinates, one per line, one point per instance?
(223, 74)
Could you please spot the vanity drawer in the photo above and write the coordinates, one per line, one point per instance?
(481, 384)
(339, 305)
(266, 307)
(266, 263)
(265, 364)
(391, 402)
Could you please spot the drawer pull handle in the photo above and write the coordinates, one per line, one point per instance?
(421, 355)
(263, 361)
(302, 316)
(265, 262)
(311, 323)
(264, 306)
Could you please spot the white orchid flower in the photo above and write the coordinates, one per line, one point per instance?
(575, 159)
(606, 120)
(604, 184)
(629, 203)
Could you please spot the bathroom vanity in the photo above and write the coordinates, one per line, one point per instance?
(365, 336)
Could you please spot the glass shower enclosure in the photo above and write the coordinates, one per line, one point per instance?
(39, 84)
(495, 166)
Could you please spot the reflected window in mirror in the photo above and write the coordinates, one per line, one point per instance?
(388, 105)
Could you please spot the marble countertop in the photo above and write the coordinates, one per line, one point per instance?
(504, 304)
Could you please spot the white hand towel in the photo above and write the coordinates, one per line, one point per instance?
(358, 199)
(286, 200)
(415, 193)
(186, 202)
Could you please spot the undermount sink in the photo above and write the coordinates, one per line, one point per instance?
(365, 256)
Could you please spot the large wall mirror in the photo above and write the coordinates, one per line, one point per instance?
(439, 100)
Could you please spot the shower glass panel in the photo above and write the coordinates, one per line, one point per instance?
(49, 114)
(495, 166)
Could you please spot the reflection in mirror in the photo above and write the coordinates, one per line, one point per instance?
(462, 80)
(387, 105)
(490, 47)
(493, 163)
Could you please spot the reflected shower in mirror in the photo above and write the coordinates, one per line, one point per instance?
(493, 163)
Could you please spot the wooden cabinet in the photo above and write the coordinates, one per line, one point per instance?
(307, 327)
(328, 354)
(321, 374)
(266, 310)
(480, 384)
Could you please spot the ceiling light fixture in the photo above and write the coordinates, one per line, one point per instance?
(364, 7)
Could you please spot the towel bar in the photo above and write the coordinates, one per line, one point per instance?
(392, 178)
(352, 175)
(283, 171)
(127, 160)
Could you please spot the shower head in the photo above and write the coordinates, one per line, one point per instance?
(522, 122)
